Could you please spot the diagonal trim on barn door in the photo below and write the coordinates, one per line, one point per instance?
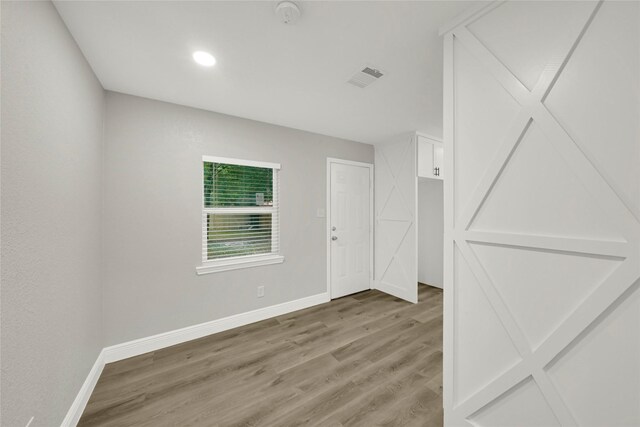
(394, 177)
(395, 218)
(497, 303)
(396, 247)
(395, 188)
(535, 361)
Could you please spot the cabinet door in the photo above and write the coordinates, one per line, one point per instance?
(425, 158)
(438, 160)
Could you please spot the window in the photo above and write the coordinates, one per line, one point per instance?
(239, 214)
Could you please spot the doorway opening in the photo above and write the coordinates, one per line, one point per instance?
(430, 233)
(430, 212)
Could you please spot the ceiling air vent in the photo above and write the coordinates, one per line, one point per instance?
(365, 77)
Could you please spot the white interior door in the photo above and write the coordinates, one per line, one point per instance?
(396, 260)
(542, 208)
(350, 228)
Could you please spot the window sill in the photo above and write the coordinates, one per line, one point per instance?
(237, 263)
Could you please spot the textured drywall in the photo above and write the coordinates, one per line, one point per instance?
(52, 111)
(430, 232)
(153, 178)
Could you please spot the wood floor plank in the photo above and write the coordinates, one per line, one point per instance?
(316, 410)
(363, 360)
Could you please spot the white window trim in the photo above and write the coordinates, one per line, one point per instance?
(245, 261)
(241, 162)
(235, 263)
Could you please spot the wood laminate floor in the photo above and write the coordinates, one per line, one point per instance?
(364, 360)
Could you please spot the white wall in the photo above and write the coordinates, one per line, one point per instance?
(430, 231)
(52, 110)
(542, 216)
(153, 155)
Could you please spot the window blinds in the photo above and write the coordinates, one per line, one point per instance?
(240, 209)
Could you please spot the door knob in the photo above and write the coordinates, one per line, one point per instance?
(334, 237)
(333, 228)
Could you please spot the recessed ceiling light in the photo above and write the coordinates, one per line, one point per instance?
(204, 58)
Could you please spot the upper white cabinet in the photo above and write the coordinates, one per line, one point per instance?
(430, 157)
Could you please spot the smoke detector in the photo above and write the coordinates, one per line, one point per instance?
(288, 12)
(365, 77)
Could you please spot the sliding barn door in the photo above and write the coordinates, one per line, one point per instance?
(542, 194)
(396, 260)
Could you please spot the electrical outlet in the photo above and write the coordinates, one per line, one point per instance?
(260, 291)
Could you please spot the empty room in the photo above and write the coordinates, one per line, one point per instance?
(322, 213)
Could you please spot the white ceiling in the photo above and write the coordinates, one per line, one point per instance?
(291, 75)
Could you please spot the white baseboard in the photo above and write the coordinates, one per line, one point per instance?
(80, 402)
(178, 336)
